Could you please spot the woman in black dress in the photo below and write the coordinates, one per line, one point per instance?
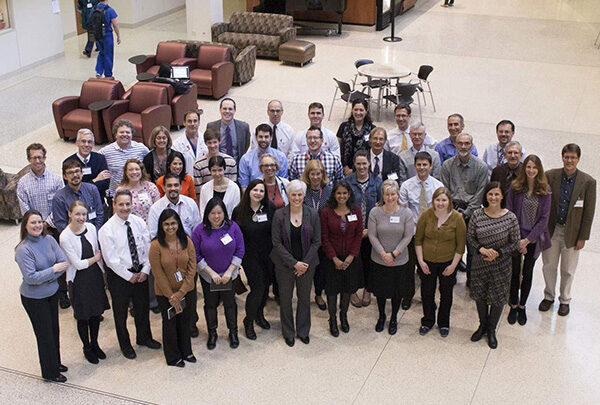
(85, 278)
(254, 215)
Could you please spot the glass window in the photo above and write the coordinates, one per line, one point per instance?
(4, 20)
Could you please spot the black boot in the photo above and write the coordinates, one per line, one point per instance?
(234, 341)
(476, 337)
(211, 343)
(333, 328)
(261, 321)
(495, 313)
(492, 341)
(249, 329)
(90, 354)
(482, 311)
(344, 322)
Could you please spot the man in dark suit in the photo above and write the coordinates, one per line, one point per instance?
(235, 134)
(570, 223)
(95, 168)
(383, 163)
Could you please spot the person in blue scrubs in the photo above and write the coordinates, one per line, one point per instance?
(106, 46)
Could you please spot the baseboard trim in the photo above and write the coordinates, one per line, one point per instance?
(33, 65)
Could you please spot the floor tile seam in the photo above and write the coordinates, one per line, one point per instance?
(389, 338)
(78, 387)
(480, 376)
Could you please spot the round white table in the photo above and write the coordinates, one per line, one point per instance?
(382, 71)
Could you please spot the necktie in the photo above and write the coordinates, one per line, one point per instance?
(376, 169)
(500, 155)
(85, 161)
(135, 260)
(404, 146)
(274, 140)
(228, 141)
(422, 198)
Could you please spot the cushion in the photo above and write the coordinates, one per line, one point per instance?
(202, 78)
(259, 23)
(262, 42)
(77, 119)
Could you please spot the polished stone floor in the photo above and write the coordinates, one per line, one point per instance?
(532, 62)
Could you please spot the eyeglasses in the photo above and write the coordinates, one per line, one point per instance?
(275, 111)
(269, 166)
(71, 172)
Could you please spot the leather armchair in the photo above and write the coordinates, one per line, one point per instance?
(166, 52)
(72, 113)
(146, 107)
(212, 70)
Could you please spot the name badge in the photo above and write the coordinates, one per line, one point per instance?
(178, 276)
(261, 217)
(50, 196)
(87, 171)
(351, 217)
(226, 239)
(89, 5)
(143, 196)
(394, 220)
(579, 204)
(393, 176)
(366, 137)
(91, 215)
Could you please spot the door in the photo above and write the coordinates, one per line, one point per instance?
(80, 29)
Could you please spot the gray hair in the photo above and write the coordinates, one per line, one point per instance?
(268, 155)
(465, 134)
(418, 125)
(294, 186)
(84, 131)
(514, 143)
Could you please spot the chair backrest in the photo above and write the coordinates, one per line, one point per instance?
(144, 96)
(424, 72)
(407, 90)
(167, 86)
(359, 62)
(259, 23)
(343, 86)
(97, 90)
(167, 52)
(210, 55)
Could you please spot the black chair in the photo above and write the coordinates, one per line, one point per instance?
(348, 95)
(371, 84)
(423, 77)
(405, 95)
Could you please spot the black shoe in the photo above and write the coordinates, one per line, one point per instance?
(444, 331)
(262, 322)
(151, 344)
(211, 343)
(522, 316)
(155, 309)
(423, 330)
(393, 327)
(88, 54)
(461, 266)
(406, 303)
(64, 302)
(249, 330)
(545, 305)
(194, 332)
(492, 341)
(476, 337)
(564, 309)
(100, 318)
(234, 341)
(322, 305)
(131, 311)
(59, 379)
(344, 326)
(180, 363)
(129, 353)
(305, 340)
(276, 298)
(99, 353)
(290, 342)
(90, 355)
(62, 368)
(512, 315)
(380, 324)
(333, 328)
(190, 359)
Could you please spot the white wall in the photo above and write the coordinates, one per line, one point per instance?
(67, 14)
(200, 15)
(135, 12)
(10, 51)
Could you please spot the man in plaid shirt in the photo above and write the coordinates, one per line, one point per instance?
(314, 140)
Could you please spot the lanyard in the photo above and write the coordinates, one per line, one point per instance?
(316, 203)
(176, 257)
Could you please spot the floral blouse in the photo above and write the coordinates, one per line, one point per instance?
(143, 198)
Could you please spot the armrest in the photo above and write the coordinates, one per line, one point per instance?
(126, 95)
(287, 34)
(191, 62)
(153, 116)
(147, 64)
(61, 107)
(245, 64)
(109, 115)
(222, 78)
(217, 29)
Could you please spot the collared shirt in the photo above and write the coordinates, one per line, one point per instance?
(330, 142)
(183, 145)
(234, 140)
(407, 159)
(63, 199)
(202, 174)
(36, 193)
(249, 165)
(505, 175)
(285, 139)
(186, 208)
(394, 140)
(410, 193)
(380, 162)
(446, 150)
(567, 183)
(113, 239)
(493, 156)
(466, 181)
(116, 158)
(332, 164)
(96, 163)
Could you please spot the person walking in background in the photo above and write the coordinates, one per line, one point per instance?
(86, 7)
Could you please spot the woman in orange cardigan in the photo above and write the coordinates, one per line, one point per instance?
(176, 164)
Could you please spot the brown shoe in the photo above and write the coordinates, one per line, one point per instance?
(545, 305)
(366, 299)
(563, 309)
(355, 300)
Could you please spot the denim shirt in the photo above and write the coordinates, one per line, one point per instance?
(373, 192)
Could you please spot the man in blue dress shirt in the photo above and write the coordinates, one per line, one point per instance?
(447, 148)
(248, 169)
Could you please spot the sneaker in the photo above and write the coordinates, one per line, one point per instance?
(444, 331)
(423, 330)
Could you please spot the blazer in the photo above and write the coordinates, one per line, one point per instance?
(71, 245)
(539, 233)
(231, 198)
(579, 219)
(280, 234)
(97, 163)
(337, 242)
(242, 131)
(391, 164)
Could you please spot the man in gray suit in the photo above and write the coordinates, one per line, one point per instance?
(570, 223)
(235, 134)
(407, 157)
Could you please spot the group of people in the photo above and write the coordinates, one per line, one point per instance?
(355, 214)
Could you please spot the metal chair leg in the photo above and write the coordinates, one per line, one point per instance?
(420, 108)
(332, 101)
(431, 95)
(424, 98)
(597, 41)
(346, 108)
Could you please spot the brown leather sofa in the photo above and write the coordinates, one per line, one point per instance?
(166, 52)
(146, 107)
(212, 70)
(72, 113)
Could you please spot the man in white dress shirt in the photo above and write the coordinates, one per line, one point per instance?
(399, 138)
(316, 113)
(125, 240)
(416, 194)
(283, 134)
(493, 155)
(191, 145)
(418, 134)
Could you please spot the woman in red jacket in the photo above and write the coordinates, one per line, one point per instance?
(341, 236)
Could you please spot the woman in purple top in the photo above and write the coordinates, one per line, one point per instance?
(219, 247)
(529, 197)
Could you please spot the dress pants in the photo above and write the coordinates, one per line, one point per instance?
(43, 314)
(106, 48)
(319, 278)
(193, 303)
(428, 287)
(412, 263)
(259, 271)
(523, 283)
(211, 302)
(176, 339)
(122, 292)
(568, 264)
(365, 255)
(287, 280)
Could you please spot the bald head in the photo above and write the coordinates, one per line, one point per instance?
(275, 111)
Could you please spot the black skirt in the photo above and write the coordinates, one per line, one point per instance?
(389, 282)
(342, 281)
(87, 293)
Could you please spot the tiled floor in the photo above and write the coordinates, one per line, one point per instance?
(532, 62)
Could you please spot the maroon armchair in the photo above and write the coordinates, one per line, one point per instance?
(147, 107)
(212, 70)
(72, 113)
(166, 52)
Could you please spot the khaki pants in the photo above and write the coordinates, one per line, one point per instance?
(568, 263)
